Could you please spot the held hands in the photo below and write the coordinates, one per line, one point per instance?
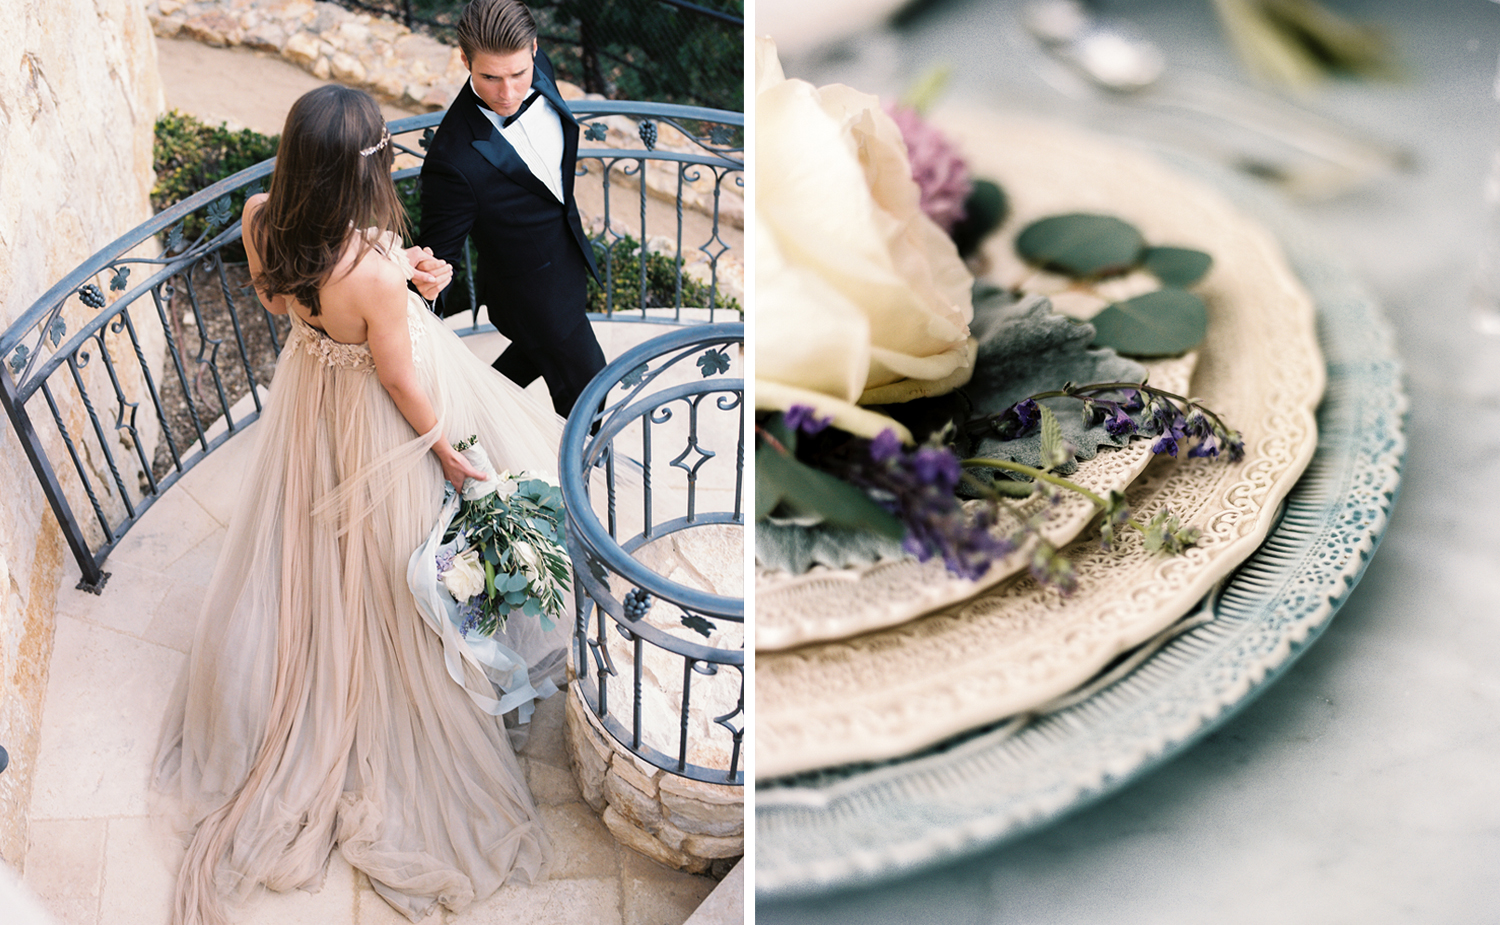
(432, 274)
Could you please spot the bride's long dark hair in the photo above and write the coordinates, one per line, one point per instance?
(332, 183)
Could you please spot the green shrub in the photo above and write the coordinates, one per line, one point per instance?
(190, 156)
(661, 281)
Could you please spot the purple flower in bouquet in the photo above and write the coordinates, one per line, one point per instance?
(941, 174)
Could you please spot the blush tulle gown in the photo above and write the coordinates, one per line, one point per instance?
(315, 712)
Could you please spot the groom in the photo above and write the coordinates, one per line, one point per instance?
(500, 168)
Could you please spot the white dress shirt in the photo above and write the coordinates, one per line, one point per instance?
(537, 137)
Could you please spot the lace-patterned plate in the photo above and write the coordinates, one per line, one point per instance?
(859, 823)
(1017, 645)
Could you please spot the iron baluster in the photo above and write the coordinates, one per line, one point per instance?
(74, 366)
(88, 484)
(123, 401)
(156, 402)
(168, 324)
(239, 337)
(93, 576)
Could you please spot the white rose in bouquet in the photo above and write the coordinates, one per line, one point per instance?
(528, 558)
(465, 577)
(861, 298)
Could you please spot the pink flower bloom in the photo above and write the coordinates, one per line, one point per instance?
(936, 166)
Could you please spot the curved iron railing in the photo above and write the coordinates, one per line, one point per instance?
(634, 499)
(185, 337)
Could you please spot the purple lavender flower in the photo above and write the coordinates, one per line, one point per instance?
(469, 611)
(805, 419)
(1017, 420)
(1208, 446)
(1118, 423)
(937, 466)
(941, 174)
(886, 446)
(917, 486)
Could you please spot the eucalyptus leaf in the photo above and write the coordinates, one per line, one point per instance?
(1177, 266)
(1166, 322)
(1081, 245)
(985, 209)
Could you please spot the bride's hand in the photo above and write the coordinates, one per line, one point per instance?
(431, 274)
(455, 467)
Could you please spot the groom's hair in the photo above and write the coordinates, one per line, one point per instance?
(496, 27)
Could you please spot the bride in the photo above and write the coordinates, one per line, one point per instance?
(315, 710)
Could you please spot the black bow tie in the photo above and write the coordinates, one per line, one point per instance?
(524, 106)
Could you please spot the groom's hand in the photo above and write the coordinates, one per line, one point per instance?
(432, 274)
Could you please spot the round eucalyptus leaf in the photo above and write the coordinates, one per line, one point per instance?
(1081, 245)
(1177, 266)
(1161, 323)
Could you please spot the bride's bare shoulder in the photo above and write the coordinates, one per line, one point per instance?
(370, 280)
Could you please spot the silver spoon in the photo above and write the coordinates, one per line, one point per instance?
(1116, 56)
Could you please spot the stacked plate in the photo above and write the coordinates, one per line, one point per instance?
(903, 716)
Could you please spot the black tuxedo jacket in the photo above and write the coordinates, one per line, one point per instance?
(532, 258)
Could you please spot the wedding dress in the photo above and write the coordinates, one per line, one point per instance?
(315, 710)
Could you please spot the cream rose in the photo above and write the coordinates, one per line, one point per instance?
(860, 297)
(465, 577)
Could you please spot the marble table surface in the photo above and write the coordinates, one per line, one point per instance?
(1364, 785)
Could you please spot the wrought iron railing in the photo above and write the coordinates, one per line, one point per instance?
(654, 478)
(113, 401)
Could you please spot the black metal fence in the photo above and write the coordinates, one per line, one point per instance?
(671, 51)
(149, 355)
(653, 479)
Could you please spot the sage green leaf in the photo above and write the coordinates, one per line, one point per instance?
(768, 493)
(1177, 266)
(1025, 348)
(795, 548)
(811, 491)
(1081, 245)
(1054, 450)
(984, 211)
(1166, 322)
(1012, 488)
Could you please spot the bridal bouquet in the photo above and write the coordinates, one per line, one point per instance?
(502, 550)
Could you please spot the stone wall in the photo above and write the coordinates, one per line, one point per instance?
(79, 95)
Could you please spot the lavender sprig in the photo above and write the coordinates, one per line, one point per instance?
(917, 486)
(1162, 532)
(1171, 418)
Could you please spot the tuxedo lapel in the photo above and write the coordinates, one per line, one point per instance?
(493, 147)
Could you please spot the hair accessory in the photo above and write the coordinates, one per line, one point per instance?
(385, 137)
